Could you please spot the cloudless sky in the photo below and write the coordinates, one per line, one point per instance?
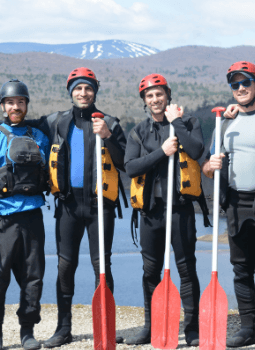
(162, 24)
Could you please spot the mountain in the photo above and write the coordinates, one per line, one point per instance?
(88, 50)
(196, 74)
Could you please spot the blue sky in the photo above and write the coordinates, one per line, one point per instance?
(162, 24)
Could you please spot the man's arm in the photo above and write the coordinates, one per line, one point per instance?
(41, 124)
(210, 165)
(116, 144)
(114, 140)
(231, 111)
(192, 141)
(137, 164)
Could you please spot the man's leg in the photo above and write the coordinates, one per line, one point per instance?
(69, 232)
(92, 228)
(242, 258)
(152, 240)
(183, 242)
(9, 236)
(29, 272)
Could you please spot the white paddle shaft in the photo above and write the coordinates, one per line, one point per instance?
(169, 204)
(100, 204)
(216, 198)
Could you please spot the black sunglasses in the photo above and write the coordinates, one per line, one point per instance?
(246, 83)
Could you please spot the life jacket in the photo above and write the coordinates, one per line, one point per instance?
(140, 185)
(110, 175)
(188, 185)
(188, 176)
(24, 172)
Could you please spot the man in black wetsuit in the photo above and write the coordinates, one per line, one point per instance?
(73, 131)
(154, 134)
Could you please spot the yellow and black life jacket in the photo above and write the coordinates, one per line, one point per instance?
(188, 185)
(110, 175)
(140, 185)
(188, 179)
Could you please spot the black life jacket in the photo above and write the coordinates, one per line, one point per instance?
(24, 172)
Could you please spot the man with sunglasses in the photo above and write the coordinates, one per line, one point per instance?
(237, 164)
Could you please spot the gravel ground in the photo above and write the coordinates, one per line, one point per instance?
(129, 320)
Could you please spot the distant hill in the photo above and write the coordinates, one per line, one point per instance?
(196, 74)
(97, 49)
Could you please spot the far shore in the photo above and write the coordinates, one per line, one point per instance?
(223, 238)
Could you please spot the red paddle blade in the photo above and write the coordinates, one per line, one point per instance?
(103, 313)
(213, 314)
(165, 314)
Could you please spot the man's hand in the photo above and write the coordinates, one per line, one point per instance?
(173, 111)
(170, 146)
(214, 163)
(100, 127)
(231, 111)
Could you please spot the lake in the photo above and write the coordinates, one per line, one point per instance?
(126, 265)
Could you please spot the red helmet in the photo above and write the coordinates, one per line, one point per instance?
(153, 80)
(241, 67)
(81, 72)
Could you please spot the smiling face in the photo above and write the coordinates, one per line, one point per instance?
(156, 99)
(83, 95)
(243, 95)
(16, 108)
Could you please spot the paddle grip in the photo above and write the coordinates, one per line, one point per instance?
(218, 111)
(97, 115)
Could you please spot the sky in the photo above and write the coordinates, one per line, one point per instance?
(162, 24)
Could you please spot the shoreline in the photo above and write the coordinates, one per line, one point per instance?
(222, 239)
(129, 321)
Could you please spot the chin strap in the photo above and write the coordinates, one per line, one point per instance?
(248, 104)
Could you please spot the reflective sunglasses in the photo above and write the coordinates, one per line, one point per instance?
(245, 83)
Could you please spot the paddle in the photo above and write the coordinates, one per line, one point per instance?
(103, 305)
(213, 308)
(166, 301)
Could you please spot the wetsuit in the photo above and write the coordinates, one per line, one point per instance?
(153, 219)
(77, 204)
(22, 239)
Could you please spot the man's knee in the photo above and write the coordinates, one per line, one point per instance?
(66, 276)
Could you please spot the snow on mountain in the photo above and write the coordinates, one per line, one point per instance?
(89, 50)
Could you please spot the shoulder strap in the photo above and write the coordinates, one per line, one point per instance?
(5, 131)
(224, 127)
(29, 131)
(135, 137)
(110, 121)
(55, 125)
